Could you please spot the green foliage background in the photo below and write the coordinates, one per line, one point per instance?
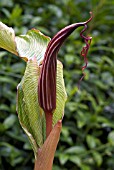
(87, 138)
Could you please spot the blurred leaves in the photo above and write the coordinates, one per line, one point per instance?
(111, 138)
(89, 114)
(9, 121)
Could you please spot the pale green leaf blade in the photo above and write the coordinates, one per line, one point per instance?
(7, 38)
(30, 114)
(33, 44)
(23, 118)
(75, 150)
(29, 86)
(61, 94)
(63, 158)
(91, 141)
(98, 158)
(76, 160)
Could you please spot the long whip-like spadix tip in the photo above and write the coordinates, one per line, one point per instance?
(47, 79)
(85, 49)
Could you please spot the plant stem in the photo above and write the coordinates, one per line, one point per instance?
(49, 117)
(44, 160)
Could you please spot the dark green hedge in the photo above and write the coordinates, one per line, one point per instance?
(87, 138)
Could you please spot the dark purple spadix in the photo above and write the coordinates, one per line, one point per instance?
(47, 79)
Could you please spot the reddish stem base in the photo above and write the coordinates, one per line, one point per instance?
(44, 160)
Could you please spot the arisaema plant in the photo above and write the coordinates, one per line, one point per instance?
(41, 94)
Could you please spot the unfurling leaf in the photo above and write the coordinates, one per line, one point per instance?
(34, 43)
(7, 38)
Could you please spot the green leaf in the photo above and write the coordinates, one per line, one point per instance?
(7, 80)
(97, 158)
(85, 167)
(9, 121)
(30, 114)
(33, 44)
(65, 132)
(63, 158)
(55, 167)
(4, 107)
(91, 141)
(61, 94)
(75, 150)
(2, 128)
(75, 159)
(7, 39)
(111, 137)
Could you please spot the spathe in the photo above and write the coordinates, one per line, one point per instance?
(47, 80)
